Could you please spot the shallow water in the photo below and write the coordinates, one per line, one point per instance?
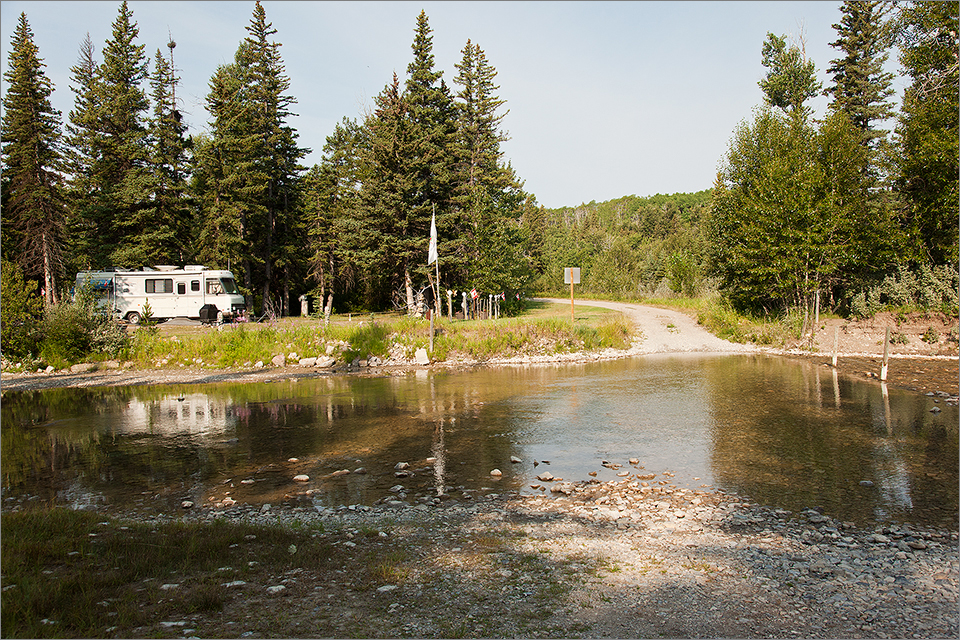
(781, 432)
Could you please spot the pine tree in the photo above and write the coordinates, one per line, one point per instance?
(250, 168)
(32, 161)
(341, 237)
(111, 153)
(861, 87)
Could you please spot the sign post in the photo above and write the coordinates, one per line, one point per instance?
(571, 276)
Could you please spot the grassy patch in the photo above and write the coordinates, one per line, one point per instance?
(75, 574)
(546, 329)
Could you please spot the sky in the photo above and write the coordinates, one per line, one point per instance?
(602, 99)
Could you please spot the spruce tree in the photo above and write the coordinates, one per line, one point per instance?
(110, 151)
(861, 87)
(89, 246)
(433, 126)
(392, 195)
(122, 171)
(168, 240)
(32, 161)
(250, 169)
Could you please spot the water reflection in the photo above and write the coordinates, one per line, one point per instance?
(782, 432)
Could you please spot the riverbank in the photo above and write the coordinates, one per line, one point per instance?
(925, 367)
(587, 559)
(643, 556)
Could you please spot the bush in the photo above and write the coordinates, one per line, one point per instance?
(20, 311)
(926, 289)
(74, 330)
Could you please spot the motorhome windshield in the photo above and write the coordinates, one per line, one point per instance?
(217, 286)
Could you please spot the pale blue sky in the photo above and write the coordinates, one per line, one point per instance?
(605, 99)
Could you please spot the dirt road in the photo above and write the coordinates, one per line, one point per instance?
(664, 330)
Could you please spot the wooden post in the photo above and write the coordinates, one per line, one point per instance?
(450, 303)
(836, 341)
(430, 313)
(571, 296)
(886, 355)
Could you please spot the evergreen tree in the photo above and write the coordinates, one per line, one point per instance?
(121, 171)
(32, 162)
(928, 136)
(250, 175)
(861, 87)
(111, 153)
(168, 240)
(391, 195)
(433, 127)
(489, 193)
(87, 217)
(341, 237)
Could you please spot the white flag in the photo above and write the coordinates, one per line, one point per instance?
(432, 255)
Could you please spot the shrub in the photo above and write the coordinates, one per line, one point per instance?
(76, 329)
(20, 310)
(927, 288)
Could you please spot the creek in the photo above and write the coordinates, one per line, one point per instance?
(783, 433)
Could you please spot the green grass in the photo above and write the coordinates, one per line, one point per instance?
(545, 329)
(73, 574)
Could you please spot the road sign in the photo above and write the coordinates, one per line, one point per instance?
(571, 275)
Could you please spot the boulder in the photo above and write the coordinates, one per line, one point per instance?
(422, 357)
(278, 360)
(307, 362)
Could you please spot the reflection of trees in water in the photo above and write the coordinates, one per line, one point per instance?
(795, 434)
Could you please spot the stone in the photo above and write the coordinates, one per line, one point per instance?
(360, 470)
(878, 538)
(422, 357)
(546, 476)
(866, 483)
(82, 367)
(386, 588)
(326, 363)
(302, 477)
(234, 583)
(258, 365)
(186, 504)
(634, 461)
(496, 473)
(278, 360)
(400, 466)
(341, 472)
(307, 362)
(515, 460)
(276, 589)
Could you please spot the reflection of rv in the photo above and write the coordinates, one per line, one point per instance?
(192, 292)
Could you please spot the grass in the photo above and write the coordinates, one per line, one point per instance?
(74, 574)
(545, 329)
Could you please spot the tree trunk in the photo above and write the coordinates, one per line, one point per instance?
(408, 283)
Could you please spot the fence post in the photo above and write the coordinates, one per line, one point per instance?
(886, 355)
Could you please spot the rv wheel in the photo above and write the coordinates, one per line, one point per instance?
(133, 317)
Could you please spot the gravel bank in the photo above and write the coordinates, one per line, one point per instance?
(591, 559)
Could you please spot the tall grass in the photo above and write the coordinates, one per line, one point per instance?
(242, 345)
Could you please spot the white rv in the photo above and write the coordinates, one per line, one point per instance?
(195, 292)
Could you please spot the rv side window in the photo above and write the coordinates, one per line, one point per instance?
(159, 286)
(214, 287)
(194, 285)
(181, 288)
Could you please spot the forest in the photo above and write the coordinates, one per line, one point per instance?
(834, 212)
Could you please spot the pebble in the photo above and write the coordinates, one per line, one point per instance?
(302, 477)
